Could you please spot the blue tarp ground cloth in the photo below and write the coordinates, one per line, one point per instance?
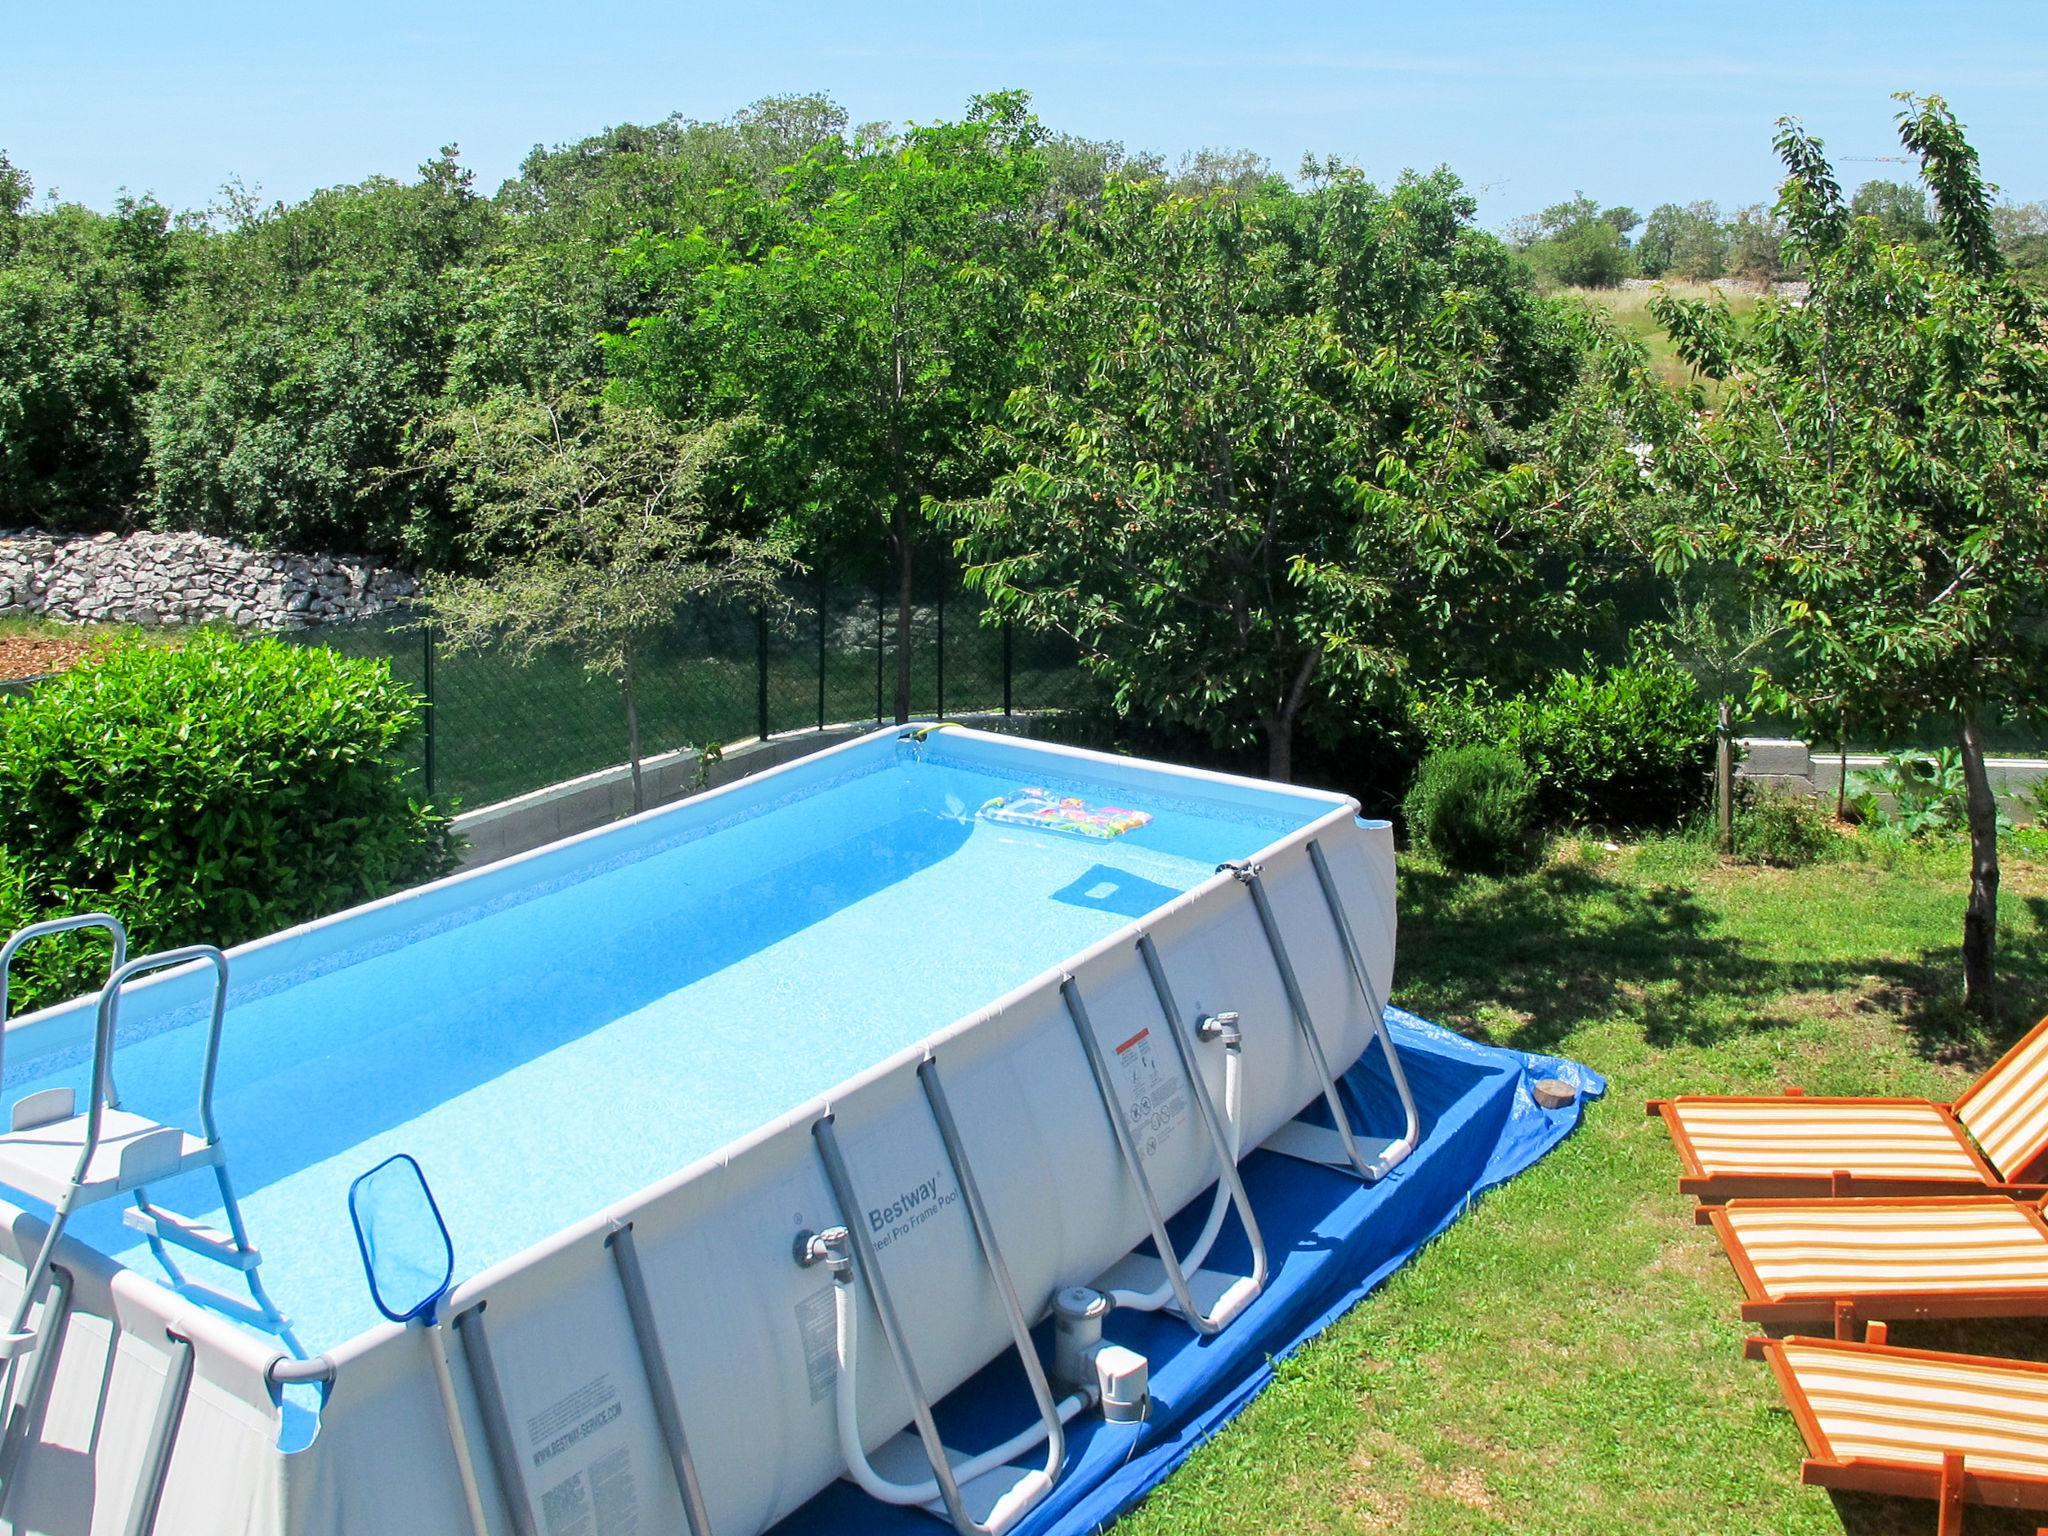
(1329, 1240)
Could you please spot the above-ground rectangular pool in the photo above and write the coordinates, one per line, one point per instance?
(644, 1026)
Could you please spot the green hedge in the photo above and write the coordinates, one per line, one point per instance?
(211, 791)
(1624, 747)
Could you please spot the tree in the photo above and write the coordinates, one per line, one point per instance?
(1756, 244)
(866, 313)
(1687, 242)
(1877, 467)
(80, 295)
(1900, 209)
(304, 347)
(1272, 452)
(593, 525)
(1578, 244)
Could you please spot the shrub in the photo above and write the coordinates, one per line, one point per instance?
(216, 791)
(1626, 747)
(1475, 809)
(1917, 794)
(1789, 831)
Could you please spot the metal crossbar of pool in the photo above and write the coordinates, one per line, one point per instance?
(846, 1249)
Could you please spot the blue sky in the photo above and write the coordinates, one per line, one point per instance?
(1527, 101)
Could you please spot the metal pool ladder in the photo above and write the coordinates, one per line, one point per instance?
(70, 1160)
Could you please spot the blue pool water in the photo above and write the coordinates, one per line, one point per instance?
(547, 1047)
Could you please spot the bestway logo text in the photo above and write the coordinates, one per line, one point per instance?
(882, 1217)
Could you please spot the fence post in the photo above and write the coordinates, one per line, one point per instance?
(942, 646)
(427, 687)
(881, 619)
(823, 591)
(761, 671)
(1006, 666)
(1724, 780)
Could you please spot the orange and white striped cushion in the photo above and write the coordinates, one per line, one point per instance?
(1892, 1407)
(1822, 1136)
(1846, 1248)
(2007, 1108)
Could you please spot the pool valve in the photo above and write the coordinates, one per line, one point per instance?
(832, 1247)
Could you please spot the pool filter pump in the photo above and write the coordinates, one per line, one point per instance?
(1081, 1358)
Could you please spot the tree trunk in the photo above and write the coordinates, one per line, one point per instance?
(1280, 750)
(905, 546)
(1980, 921)
(632, 735)
(1280, 725)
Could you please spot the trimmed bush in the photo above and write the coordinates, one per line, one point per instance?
(1474, 807)
(212, 791)
(1789, 831)
(1625, 747)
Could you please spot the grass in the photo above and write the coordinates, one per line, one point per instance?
(1566, 1360)
(1630, 310)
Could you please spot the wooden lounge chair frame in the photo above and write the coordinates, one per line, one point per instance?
(1953, 1484)
(1849, 1311)
(2026, 1178)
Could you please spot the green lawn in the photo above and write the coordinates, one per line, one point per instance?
(1567, 1358)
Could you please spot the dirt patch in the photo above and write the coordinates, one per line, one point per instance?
(38, 655)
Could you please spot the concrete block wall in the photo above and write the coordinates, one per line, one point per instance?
(1792, 766)
(576, 805)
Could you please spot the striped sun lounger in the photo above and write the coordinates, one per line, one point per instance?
(1916, 1423)
(1848, 1261)
(1995, 1136)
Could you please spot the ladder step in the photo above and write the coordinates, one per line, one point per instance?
(233, 1307)
(192, 1236)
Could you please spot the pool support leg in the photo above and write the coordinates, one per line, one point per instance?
(1297, 1139)
(1411, 1131)
(163, 1438)
(660, 1385)
(866, 1263)
(490, 1397)
(1242, 1291)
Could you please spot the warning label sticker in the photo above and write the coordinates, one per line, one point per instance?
(817, 1327)
(598, 1497)
(1154, 1097)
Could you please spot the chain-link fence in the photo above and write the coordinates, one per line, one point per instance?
(498, 727)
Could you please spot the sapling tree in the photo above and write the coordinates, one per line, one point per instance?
(590, 524)
(1876, 467)
(865, 310)
(1274, 452)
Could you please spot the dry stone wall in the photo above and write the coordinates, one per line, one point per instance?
(187, 578)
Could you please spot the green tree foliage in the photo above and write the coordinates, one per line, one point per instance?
(1899, 207)
(307, 342)
(78, 291)
(1688, 241)
(866, 311)
(1578, 244)
(216, 790)
(1271, 452)
(1756, 244)
(1877, 469)
(591, 523)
